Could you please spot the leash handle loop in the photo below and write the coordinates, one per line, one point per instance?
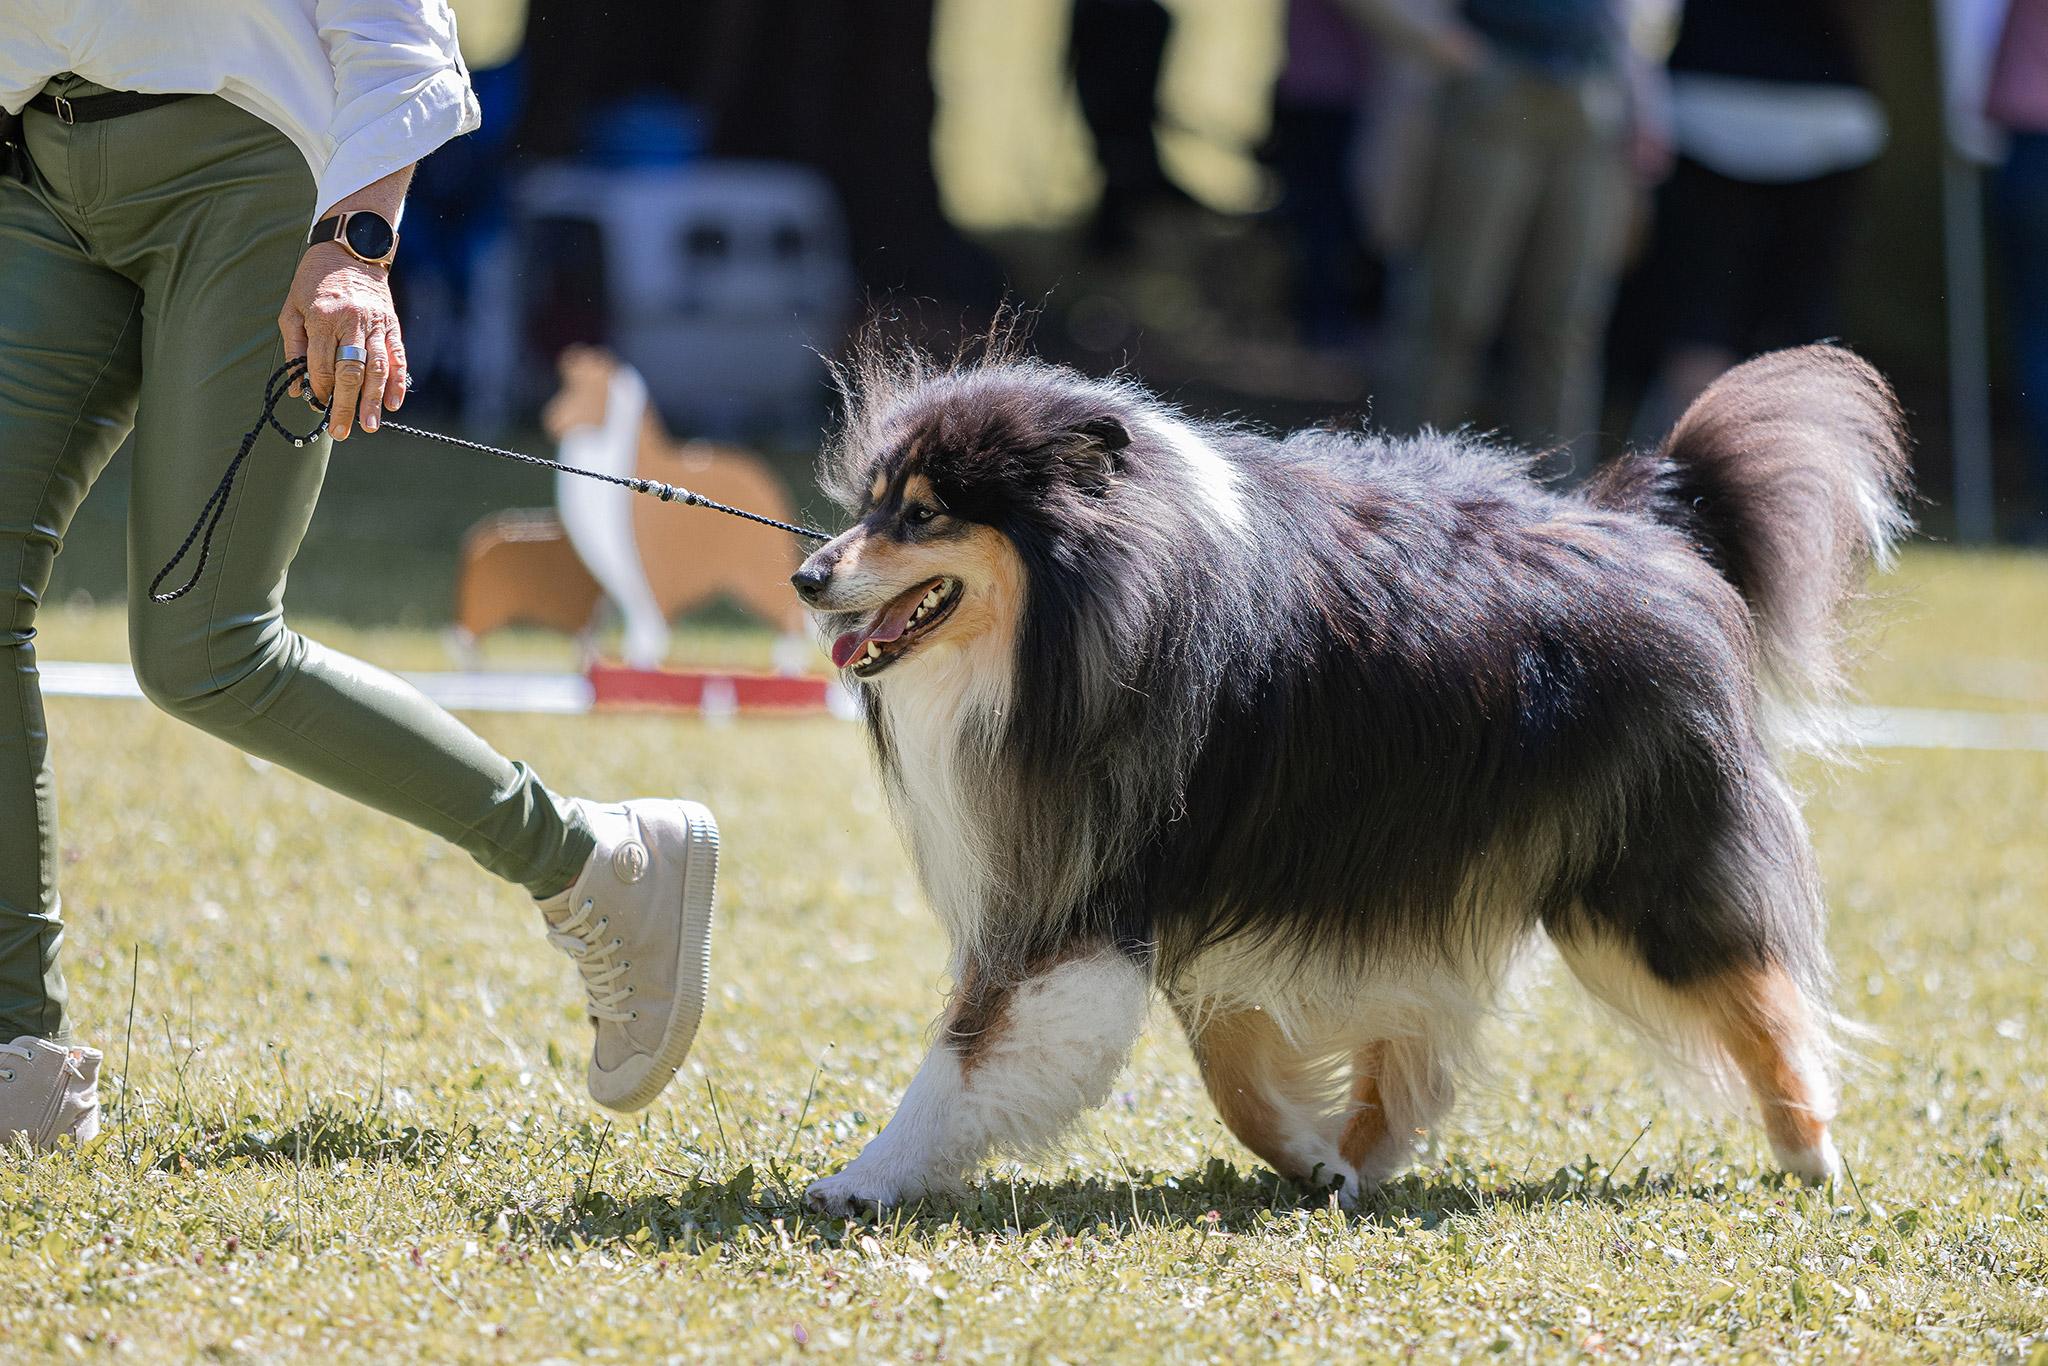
(216, 505)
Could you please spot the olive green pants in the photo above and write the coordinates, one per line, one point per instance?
(142, 269)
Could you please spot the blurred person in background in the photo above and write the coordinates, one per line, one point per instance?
(1772, 120)
(1116, 49)
(844, 86)
(1318, 109)
(1544, 118)
(2018, 102)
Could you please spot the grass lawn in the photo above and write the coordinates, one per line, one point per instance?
(351, 1122)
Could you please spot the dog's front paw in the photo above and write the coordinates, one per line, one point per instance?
(853, 1191)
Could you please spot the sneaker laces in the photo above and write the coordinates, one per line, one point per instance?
(578, 934)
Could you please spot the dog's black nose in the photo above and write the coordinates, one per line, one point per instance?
(809, 582)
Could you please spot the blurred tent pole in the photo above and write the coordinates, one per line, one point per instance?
(1967, 31)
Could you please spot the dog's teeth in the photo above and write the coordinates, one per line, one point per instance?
(931, 599)
(874, 650)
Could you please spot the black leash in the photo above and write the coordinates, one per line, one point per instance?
(279, 384)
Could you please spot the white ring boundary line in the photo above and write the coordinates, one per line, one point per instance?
(563, 694)
(555, 694)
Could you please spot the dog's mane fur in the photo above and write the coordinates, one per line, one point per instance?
(1353, 697)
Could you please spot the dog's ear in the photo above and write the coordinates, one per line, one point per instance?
(1098, 454)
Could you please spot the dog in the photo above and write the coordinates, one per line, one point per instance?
(1317, 735)
(555, 568)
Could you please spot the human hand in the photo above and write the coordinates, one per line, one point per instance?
(335, 301)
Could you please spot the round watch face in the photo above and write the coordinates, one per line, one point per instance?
(368, 236)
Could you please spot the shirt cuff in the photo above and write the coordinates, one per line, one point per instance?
(438, 109)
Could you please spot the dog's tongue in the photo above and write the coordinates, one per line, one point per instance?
(893, 622)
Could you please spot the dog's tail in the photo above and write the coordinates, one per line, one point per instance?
(1790, 474)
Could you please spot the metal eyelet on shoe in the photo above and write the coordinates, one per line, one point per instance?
(632, 1016)
(6, 1076)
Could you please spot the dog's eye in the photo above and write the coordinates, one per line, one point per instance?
(917, 514)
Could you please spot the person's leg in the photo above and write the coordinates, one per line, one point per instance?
(210, 224)
(1810, 226)
(1569, 274)
(2022, 204)
(69, 361)
(1705, 258)
(1117, 51)
(214, 250)
(1311, 153)
(1484, 184)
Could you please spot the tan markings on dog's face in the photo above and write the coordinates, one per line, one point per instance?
(912, 578)
(877, 489)
(871, 569)
(992, 604)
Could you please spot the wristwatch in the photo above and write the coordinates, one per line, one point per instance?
(365, 235)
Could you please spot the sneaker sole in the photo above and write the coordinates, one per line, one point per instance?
(693, 960)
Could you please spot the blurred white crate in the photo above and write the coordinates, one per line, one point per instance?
(720, 277)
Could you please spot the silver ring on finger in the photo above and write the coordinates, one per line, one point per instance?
(343, 355)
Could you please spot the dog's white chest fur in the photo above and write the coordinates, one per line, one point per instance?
(941, 719)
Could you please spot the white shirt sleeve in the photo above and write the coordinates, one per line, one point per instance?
(400, 89)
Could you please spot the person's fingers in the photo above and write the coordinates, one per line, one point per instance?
(292, 328)
(377, 372)
(348, 387)
(401, 378)
(320, 344)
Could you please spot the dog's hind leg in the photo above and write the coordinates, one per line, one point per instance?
(1703, 928)
(1779, 1042)
(1271, 1095)
(1756, 1018)
(1399, 1089)
(1013, 1066)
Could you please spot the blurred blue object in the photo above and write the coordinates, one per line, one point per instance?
(643, 132)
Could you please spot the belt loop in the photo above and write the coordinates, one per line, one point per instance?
(63, 109)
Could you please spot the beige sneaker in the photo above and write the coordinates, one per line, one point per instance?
(48, 1092)
(638, 925)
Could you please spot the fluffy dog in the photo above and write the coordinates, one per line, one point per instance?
(1315, 735)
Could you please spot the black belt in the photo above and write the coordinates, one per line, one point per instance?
(93, 108)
